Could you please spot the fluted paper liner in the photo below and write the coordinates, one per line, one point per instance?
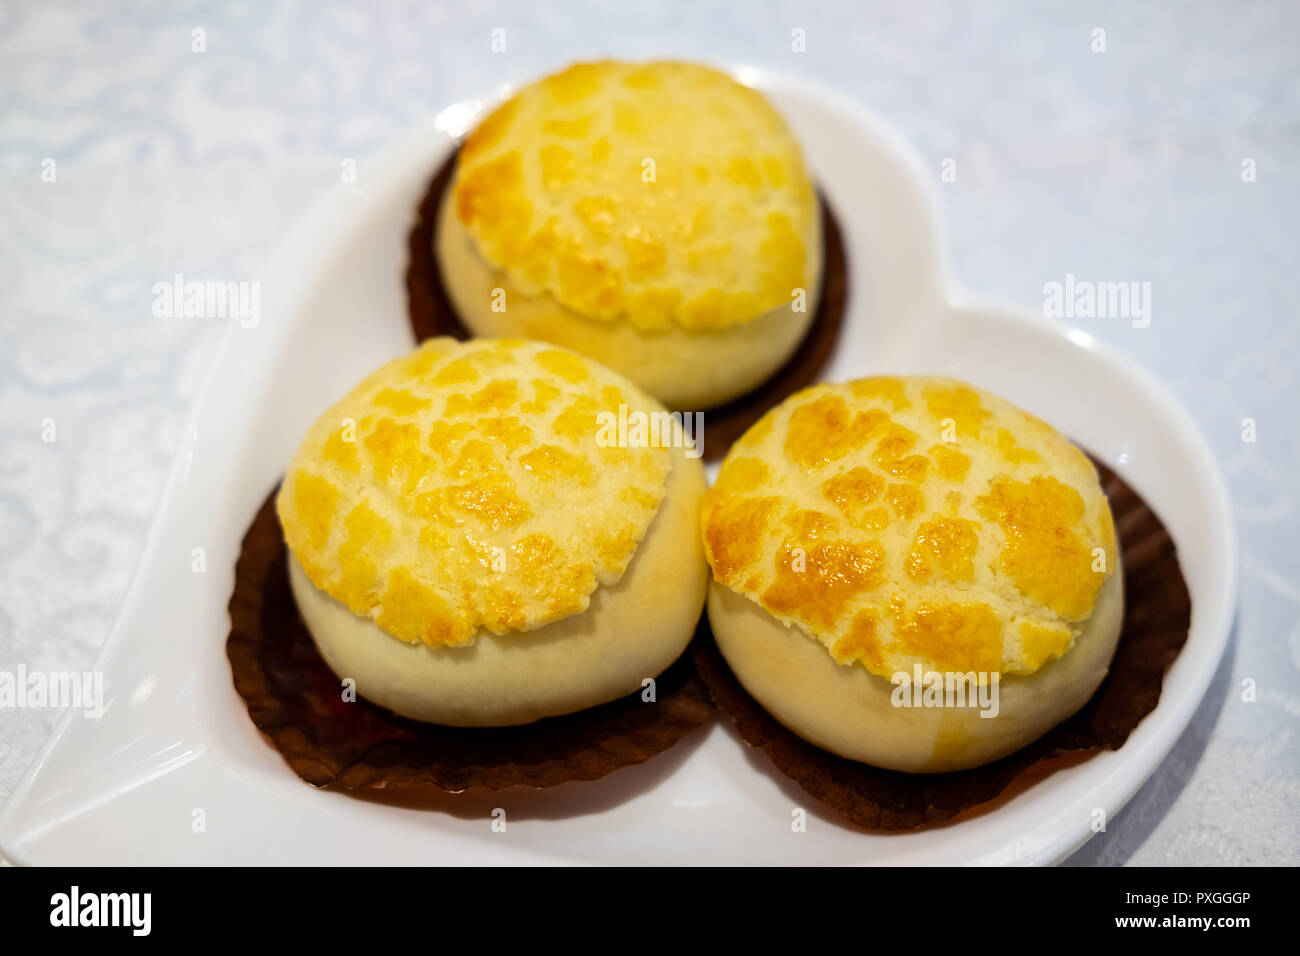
(297, 702)
(432, 314)
(1157, 614)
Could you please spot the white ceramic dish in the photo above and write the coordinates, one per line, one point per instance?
(175, 739)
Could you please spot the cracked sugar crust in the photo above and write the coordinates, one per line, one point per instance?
(913, 520)
(462, 487)
(552, 187)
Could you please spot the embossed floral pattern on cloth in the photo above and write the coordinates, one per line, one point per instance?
(1123, 165)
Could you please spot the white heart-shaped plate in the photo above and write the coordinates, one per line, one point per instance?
(175, 739)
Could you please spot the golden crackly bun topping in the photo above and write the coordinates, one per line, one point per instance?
(463, 487)
(913, 520)
(653, 193)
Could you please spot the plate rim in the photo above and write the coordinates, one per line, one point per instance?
(285, 261)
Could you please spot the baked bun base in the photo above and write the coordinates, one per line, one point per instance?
(683, 369)
(850, 712)
(632, 631)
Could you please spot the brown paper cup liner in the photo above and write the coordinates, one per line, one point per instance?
(1157, 615)
(432, 314)
(297, 702)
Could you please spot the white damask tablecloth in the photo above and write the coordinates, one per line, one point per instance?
(1115, 165)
